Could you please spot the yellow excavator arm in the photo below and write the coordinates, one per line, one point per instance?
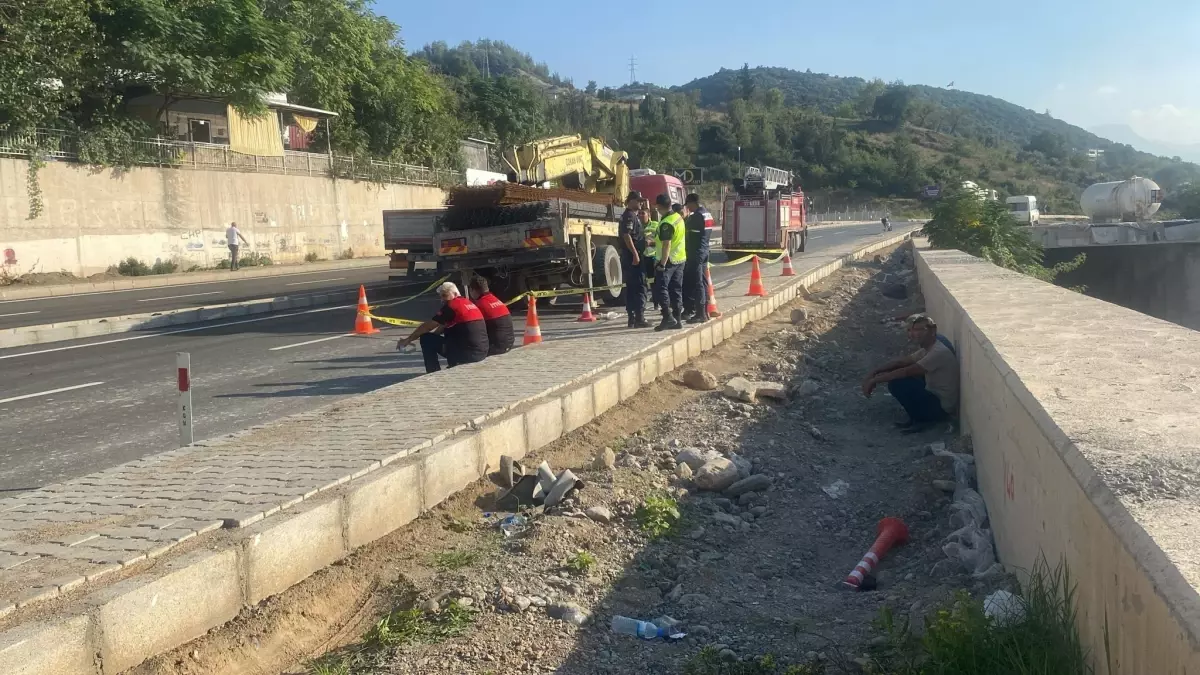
(571, 162)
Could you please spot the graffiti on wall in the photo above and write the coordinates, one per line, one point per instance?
(10, 256)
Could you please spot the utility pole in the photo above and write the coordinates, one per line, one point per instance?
(632, 70)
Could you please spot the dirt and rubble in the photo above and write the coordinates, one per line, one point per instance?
(745, 572)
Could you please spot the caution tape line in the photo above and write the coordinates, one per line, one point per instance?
(573, 291)
(403, 322)
(752, 254)
(394, 321)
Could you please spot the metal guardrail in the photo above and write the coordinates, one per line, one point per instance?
(834, 216)
(65, 146)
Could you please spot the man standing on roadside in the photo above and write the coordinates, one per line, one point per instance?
(699, 226)
(668, 273)
(633, 244)
(232, 235)
(925, 382)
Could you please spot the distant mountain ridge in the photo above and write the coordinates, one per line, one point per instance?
(1123, 133)
(986, 115)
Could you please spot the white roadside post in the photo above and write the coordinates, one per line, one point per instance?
(183, 363)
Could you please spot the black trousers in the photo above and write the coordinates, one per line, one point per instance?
(434, 345)
(635, 288)
(668, 289)
(921, 404)
(695, 293)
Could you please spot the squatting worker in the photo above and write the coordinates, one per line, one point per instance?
(495, 316)
(457, 332)
(650, 256)
(232, 236)
(668, 273)
(925, 382)
(631, 230)
(699, 226)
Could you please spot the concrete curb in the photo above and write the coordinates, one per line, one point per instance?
(160, 280)
(25, 336)
(119, 627)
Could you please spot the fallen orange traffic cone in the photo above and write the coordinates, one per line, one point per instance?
(756, 283)
(533, 331)
(892, 532)
(587, 309)
(362, 323)
(787, 265)
(712, 293)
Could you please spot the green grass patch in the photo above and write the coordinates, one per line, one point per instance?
(397, 629)
(709, 662)
(658, 515)
(961, 638)
(449, 561)
(581, 563)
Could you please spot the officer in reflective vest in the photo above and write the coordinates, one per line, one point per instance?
(668, 273)
(650, 259)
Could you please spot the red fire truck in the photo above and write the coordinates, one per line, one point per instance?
(765, 212)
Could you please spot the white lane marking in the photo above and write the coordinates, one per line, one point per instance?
(175, 297)
(816, 236)
(202, 283)
(52, 391)
(20, 313)
(310, 342)
(176, 332)
(314, 281)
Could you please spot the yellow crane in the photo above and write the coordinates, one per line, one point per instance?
(571, 162)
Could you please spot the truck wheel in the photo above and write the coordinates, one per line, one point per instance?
(607, 266)
(803, 241)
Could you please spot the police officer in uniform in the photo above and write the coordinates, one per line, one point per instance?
(650, 258)
(633, 245)
(699, 226)
(668, 273)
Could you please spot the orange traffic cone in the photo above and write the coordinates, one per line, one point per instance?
(787, 265)
(756, 282)
(533, 331)
(712, 293)
(362, 323)
(587, 309)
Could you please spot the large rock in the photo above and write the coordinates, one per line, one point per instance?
(716, 475)
(808, 388)
(607, 459)
(744, 466)
(700, 380)
(569, 612)
(695, 457)
(600, 514)
(799, 316)
(756, 483)
(770, 390)
(740, 389)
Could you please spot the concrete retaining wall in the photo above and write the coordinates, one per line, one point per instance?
(120, 626)
(93, 219)
(1065, 397)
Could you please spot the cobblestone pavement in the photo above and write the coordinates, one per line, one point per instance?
(57, 538)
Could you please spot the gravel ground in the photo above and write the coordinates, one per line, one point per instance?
(749, 575)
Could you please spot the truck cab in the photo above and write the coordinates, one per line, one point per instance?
(652, 184)
(1024, 209)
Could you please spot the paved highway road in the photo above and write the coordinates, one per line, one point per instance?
(14, 313)
(72, 408)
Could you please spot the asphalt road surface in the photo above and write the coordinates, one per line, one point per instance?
(14, 313)
(72, 408)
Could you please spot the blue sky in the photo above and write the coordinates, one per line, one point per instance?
(1089, 62)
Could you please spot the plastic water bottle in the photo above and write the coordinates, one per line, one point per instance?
(643, 629)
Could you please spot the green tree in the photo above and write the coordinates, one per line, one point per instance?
(590, 90)
(746, 83)
(984, 228)
(892, 105)
(1186, 200)
(507, 109)
(45, 44)
(865, 101)
(1049, 144)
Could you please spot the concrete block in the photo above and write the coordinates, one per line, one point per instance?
(502, 437)
(449, 467)
(679, 351)
(631, 380)
(666, 360)
(694, 344)
(285, 551)
(706, 338)
(59, 647)
(387, 501)
(606, 392)
(577, 408)
(543, 423)
(649, 368)
(140, 618)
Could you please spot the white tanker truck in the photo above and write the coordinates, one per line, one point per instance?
(1124, 201)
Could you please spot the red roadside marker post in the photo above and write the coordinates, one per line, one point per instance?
(183, 365)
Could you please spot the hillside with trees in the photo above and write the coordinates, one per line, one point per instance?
(849, 140)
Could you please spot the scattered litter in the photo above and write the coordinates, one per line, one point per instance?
(608, 316)
(837, 489)
(514, 525)
(530, 490)
(1004, 608)
(646, 630)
